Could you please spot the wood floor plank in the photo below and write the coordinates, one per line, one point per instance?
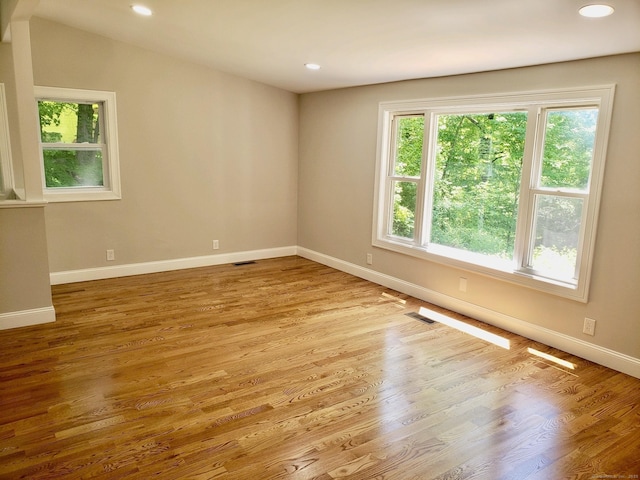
(286, 368)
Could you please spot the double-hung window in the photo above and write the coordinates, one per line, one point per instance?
(78, 138)
(505, 185)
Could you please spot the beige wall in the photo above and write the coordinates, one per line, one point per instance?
(336, 180)
(203, 156)
(24, 274)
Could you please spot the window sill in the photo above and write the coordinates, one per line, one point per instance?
(84, 195)
(15, 199)
(499, 270)
(20, 204)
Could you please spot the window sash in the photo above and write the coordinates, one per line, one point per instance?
(527, 262)
(83, 147)
(74, 146)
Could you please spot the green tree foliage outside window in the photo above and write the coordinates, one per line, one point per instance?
(477, 181)
(408, 163)
(566, 164)
(568, 148)
(71, 144)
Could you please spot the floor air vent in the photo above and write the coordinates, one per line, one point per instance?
(239, 264)
(417, 316)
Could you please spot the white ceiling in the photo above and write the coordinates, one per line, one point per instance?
(358, 42)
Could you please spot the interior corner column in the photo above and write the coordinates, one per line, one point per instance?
(27, 112)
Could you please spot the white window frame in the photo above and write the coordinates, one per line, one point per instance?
(536, 103)
(110, 190)
(7, 186)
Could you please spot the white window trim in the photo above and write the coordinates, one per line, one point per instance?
(111, 189)
(7, 187)
(601, 96)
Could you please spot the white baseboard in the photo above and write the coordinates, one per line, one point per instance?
(595, 353)
(25, 318)
(100, 273)
(589, 351)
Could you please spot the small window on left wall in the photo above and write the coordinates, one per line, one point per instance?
(79, 144)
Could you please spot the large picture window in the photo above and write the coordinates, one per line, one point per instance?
(79, 147)
(504, 185)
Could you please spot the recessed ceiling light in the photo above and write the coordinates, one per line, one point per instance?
(312, 66)
(596, 11)
(142, 10)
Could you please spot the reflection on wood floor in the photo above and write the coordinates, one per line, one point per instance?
(289, 369)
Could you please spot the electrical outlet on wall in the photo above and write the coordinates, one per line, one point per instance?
(369, 258)
(111, 255)
(216, 244)
(589, 327)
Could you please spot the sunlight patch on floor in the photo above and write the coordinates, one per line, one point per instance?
(466, 328)
(552, 358)
(398, 301)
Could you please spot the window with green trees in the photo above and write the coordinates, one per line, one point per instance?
(506, 185)
(71, 144)
(77, 137)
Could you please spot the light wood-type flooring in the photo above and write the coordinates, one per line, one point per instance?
(289, 369)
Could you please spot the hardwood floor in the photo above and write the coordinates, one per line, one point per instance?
(289, 369)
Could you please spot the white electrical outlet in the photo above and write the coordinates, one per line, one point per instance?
(216, 244)
(369, 259)
(111, 255)
(589, 327)
(463, 284)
